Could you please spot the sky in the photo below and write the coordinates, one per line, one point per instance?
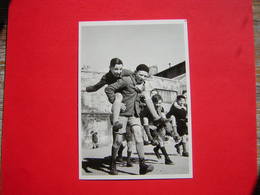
(134, 43)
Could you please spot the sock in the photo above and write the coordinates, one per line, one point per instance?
(114, 153)
(120, 150)
(157, 147)
(184, 147)
(164, 153)
(140, 149)
(129, 155)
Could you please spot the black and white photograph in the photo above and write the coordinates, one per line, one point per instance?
(134, 104)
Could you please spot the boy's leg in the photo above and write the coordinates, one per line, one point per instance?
(162, 146)
(149, 136)
(150, 105)
(156, 151)
(184, 145)
(129, 139)
(129, 153)
(172, 128)
(116, 107)
(120, 153)
(137, 131)
(118, 137)
(168, 161)
(178, 145)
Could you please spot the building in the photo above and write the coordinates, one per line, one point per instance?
(173, 71)
(176, 72)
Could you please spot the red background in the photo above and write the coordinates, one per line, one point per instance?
(40, 148)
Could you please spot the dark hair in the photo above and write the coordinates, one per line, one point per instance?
(180, 97)
(142, 67)
(156, 98)
(154, 90)
(115, 61)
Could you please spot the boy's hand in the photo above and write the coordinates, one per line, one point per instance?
(176, 138)
(154, 142)
(123, 107)
(140, 87)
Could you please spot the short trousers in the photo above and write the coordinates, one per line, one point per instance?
(128, 121)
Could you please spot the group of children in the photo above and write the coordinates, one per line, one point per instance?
(133, 109)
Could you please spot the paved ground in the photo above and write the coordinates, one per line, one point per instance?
(96, 162)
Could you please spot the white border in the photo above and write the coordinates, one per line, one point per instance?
(136, 177)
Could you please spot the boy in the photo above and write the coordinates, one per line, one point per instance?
(179, 111)
(130, 87)
(157, 133)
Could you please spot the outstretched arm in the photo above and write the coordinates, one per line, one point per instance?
(95, 87)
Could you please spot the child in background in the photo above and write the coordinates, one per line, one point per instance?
(179, 111)
(94, 136)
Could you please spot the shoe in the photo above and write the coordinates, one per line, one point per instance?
(129, 163)
(119, 159)
(185, 154)
(117, 126)
(144, 168)
(168, 162)
(156, 152)
(113, 170)
(178, 149)
(146, 143)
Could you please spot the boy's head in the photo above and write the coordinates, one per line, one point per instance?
(181, 100)
(157, 100)
(184, 93)
(116, 67)
(142, 72)
(153, 92)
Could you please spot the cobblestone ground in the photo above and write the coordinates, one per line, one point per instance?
(96, 162)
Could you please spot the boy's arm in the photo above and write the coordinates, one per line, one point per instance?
(97, 86)
(127, 72)
(111, 89)
(170, 113)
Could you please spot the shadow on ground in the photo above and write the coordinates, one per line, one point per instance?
(103, 164)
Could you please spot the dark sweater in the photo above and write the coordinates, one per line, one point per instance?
(108, 79)
(131, 96)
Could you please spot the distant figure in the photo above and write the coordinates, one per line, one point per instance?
(94, 139)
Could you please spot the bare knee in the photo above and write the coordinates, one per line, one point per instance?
(117, 141)
(129, 146)
(118, 97)
(185, 139)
